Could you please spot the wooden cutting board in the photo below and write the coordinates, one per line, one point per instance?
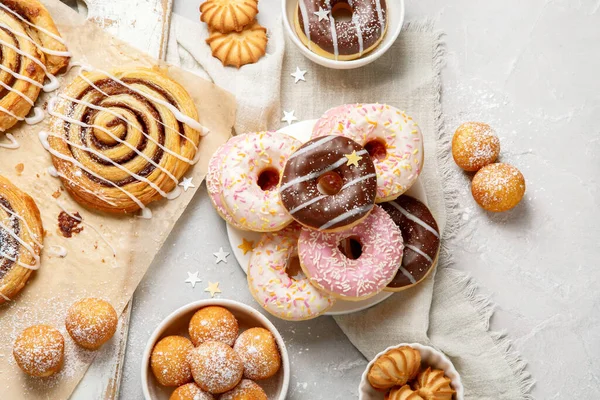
(145, 25)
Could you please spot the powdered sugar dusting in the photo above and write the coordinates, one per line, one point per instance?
(215, 366)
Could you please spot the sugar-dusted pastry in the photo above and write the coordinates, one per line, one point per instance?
(330, 270)
(403, 393)
(190, 391)
(434, 385)
(216, 368)
(213, 323)
(21, 238)
(169, 361)
(259, 353)
(331, 202)
(91, 322)
(282, 291)
(475, 145)
(245, 390)
(122, 139)
(228, 15)
(39, 350)
(239, 48)
(498, 187)
(32, 51)
(392, 138)
(395, 368)
(340, 39)
(421, 241)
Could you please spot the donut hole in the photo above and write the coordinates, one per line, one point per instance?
(351, 247)
(330, 183)
(268, 179)
(376, 149)
(294, 270)
(342, 12)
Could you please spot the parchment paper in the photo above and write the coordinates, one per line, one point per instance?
(89, 269)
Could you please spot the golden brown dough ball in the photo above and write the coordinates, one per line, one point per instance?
(39, 350)
(91, 322)
(216, 368)
(245, 390)
(190, 391)
(259, 353)
(213, 323)
(474, 146)
(498, 187)
(169, 361)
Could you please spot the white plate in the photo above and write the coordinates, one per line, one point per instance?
(302, 131)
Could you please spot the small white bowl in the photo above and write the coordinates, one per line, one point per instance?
(395, 14)
(429, 357)
(177, 324)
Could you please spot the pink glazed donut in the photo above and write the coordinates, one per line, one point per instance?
(249, 178)
(334, 273)
(392, 138)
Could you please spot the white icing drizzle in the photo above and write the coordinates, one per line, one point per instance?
(380, 15)
(345, 216)
(316, 174)
(312, 146)
(419, 251)
(359, 35)
(334, 36)
(51, 111)
(306, 21)
(31, 233)
(14, 144)
(4, 297)
(145, 214)
(43, 49)
(39, 28)
(20, 94)
(357, 180)
(91, 226)
(38, 116)
(415, 219)
(49, 87)
(54, 173)
(27, 247)
(58, 251)
(407, 274)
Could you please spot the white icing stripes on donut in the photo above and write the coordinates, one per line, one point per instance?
(415, 219)
(380, 15)
(407, 274)
(334, 36)
(318, 198)
(419, 251)
(316, 174)
(313, 146)
(306, 21)
(346, 215)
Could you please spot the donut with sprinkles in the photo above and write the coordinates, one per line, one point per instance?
(329, 184)
(292, 298)
(392, 138)
(249, 178)
(331, 271)
(421, 241)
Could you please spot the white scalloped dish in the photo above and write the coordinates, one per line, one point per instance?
(430, 357)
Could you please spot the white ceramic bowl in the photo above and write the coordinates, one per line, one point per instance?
(177, 324)
(429, 357)
(395, 13)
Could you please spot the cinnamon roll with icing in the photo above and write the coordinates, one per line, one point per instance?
(122, 139)
(31, 52)
(21, 237)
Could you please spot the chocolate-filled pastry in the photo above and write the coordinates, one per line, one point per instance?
(21, 237)
(32, 51)
(421, 241)
(122, 139)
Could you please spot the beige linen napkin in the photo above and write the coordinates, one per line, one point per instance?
(444, 311)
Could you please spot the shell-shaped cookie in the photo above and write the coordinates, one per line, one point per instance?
(434, 385)
(395, 368)
(239, 48)
(228, 15)
(403, 393)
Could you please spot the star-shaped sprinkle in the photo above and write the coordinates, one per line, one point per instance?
(221, 256)
(289, 117)
(299, 75)
(322, 14)
(353, 158)
(187, 183)
(213, 288)
(193, 278)
(246, 245)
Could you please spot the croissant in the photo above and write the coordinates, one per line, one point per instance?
(403, 393)
(395, 368)
(434, 385)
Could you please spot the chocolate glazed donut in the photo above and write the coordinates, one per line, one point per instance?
(322, 189)
(421, 241)
(341, 39)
